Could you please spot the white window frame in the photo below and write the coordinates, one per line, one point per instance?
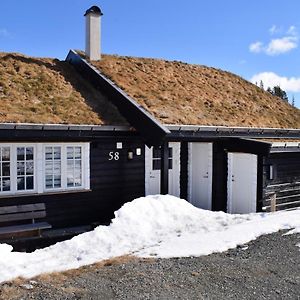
(39, 168)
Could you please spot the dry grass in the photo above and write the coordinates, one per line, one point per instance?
(56, 280)
(44, 90)
(180, 93)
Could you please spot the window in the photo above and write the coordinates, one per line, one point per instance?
(156, 158)
(25, 168)
(38, 168)
(52, 167)
(74, 167)
(4, 169)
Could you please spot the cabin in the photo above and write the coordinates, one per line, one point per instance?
(81, 137)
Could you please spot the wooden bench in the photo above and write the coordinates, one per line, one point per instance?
(26, 212)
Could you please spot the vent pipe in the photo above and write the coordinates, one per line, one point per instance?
(93, 33)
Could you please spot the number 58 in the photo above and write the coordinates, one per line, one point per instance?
(113, 155)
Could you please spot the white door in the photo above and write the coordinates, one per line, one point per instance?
(200, 175)
(241, 183)
(152, 170)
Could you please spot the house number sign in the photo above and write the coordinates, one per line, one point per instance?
(113, 155)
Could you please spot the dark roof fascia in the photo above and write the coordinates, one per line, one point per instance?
(285, 149)
(62, 133)
(247, 146)
(151, 129)
(36, 126)
(187, 131)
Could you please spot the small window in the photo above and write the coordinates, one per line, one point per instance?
(74, 167)
(52, 167)
(4, 169)
(156, 158)
(25, 168)
(271, 172)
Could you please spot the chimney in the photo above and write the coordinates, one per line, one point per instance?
(93, 33)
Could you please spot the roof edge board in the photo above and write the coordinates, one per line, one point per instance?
(228, 131)
(153, 131)
(32, 126)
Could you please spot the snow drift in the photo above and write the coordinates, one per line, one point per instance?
(160, 226)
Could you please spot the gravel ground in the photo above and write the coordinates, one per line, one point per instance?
(268, 268)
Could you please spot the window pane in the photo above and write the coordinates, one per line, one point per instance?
(5, 169)
(70, 152)
(56, 153)
(20, 168)
(5, 154)
(57, 181)
(20, 153)
(77, 182)
(21, 183)
(56, 168)
(29, 153)
(29, 183)
(156, 164)
(77, 165)
(170, 163)
(29, 168)
(5, 184)
(70, 181)
(48, 167)
(49, 181)
(156, 152)
(48, 153)
(70, 165)
(77, 152)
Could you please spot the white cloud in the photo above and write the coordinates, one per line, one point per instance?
(279, 45)
(292, 31)
(283, 45)
(271, 79)
(4, 32)
(256, 47)
(274, 29)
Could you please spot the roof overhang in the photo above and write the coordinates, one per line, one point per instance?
(240, 132)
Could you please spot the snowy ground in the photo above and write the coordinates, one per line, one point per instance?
(159, 226)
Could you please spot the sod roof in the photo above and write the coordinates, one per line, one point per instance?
(180, 93)
(45, 90)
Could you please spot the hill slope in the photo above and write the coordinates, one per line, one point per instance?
(44, 90)
(180, 93)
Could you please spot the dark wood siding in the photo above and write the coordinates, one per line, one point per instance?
(112, 183)
(184, 170)
(219, 184)
(286, 180)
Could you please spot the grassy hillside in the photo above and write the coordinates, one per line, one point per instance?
(44, 90)
(180, 93)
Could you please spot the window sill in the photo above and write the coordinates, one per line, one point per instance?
(35, 194)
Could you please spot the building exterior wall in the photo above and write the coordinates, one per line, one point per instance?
(114, 180)
(282, 178)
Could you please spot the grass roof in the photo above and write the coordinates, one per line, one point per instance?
(44, 90)
(179, 93)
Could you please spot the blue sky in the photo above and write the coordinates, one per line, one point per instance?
(255, 39)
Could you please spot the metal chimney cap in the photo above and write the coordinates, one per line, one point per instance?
(95, 10)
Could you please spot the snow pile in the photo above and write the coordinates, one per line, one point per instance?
(161, 226)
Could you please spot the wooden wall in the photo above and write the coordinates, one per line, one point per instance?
(286, 180)
(112, 183)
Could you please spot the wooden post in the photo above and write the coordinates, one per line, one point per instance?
(164, 169)
(273, 202)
